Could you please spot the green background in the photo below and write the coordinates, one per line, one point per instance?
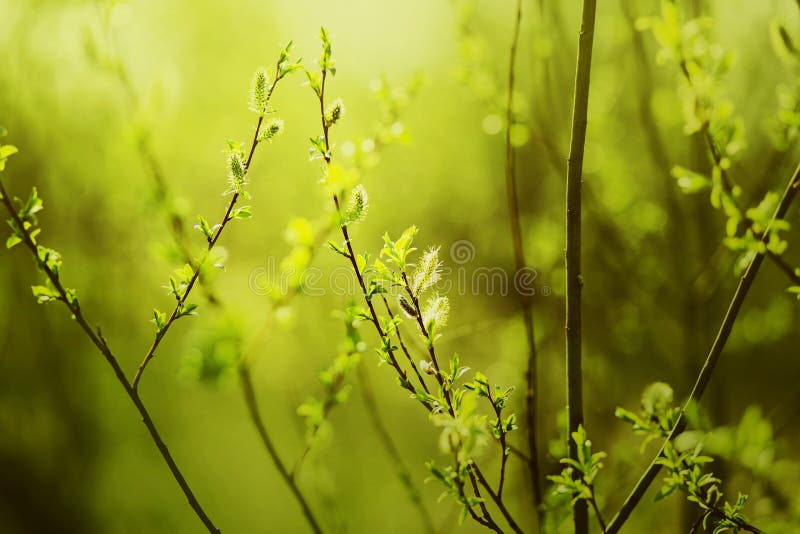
(73, 455)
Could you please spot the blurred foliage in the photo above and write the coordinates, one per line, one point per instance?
(121, 111)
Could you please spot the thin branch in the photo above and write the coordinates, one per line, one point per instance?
(526, 302)
(498, 501)
(431, 348)
(573, 253)
(255, 415)
(486, 520)
(728, 185)
(327, 406)
(403, 472)
(404, 348)
(196, 270)
(597, 514)
(99, 341)
(710, 364)
(504, 452)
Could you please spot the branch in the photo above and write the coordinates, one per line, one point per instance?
(728, 186)
(226, 218)
(486, 519)
(99, 341)
(196, 270)
(525, 300)
(404, 348)
(710, 364)
(573, 253)
(368, 395)
(255, 415)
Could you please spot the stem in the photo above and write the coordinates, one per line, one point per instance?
(486, 520)
(404, 348)
(99, 341)
(226, 218)
(597, 514)
(573, 253)
(498, 501)
(714, 354)
(327, 406)
(196, 274)
(255, 415)
(403, 473)
(525, 300)
(351, 254)
(431, 348)
(728, 185)
(503, 443)
(352, 257)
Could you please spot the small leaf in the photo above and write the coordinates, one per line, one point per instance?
(159, 319)
(241, 213)
(45, 294)
(12, 241)
(5, 152)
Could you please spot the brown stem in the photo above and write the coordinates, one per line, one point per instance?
(226, 218)
(405, 349)
(99, 341)
(498, 501)
(403, 472)
(255, 416)
(597, 514)
(486, 520)
(503, 443)
(704, 378)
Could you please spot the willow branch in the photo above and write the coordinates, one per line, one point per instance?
(704, 378)
(255, 415)
(486, 519)
(403, 472)
(226, 218)
(99, 341)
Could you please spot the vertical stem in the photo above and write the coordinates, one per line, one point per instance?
(573, 253)
(520, 263)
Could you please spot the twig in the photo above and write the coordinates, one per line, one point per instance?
(498, 501)
(573, 253)
(526, 303)
(597, 514)
(99, 341)
(226, 218)
(404, 348)
(196, 270)
(486, 520)
(503, 443)
(728, 185)
(403, 473)
(252, 406)
(714, 354)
